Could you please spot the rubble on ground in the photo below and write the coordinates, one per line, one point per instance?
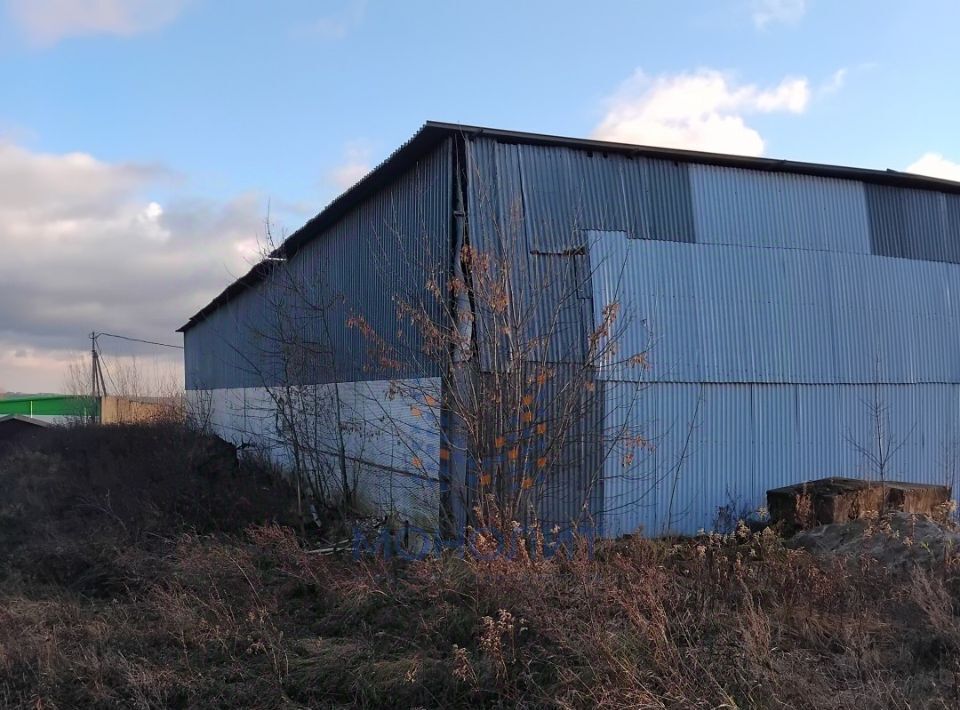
(897, 540)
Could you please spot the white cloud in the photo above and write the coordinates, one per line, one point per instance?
(702, 110)
(46, 22)
(836, 82)
(771, 12)
(935, 165)
(356, 164)
(338, 25)
(85, 247)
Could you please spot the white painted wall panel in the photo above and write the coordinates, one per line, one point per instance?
(391, 432)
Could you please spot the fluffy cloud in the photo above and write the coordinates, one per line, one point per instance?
(771, 12)
(46, 22)
(935, 165)
(703, 110)
(356, 164)
(86, 248)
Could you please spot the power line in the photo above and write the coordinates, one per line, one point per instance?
(138, 340)
(98, 382)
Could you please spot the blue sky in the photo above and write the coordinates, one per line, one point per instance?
(142, 140)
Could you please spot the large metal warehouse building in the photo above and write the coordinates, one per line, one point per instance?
(788, 312)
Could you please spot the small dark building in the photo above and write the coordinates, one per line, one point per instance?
(17, 429)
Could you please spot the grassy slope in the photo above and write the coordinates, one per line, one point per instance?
(136, 570)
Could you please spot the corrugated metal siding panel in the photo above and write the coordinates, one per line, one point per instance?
(496, 227)
(666, 201)
(550, 210)
(392, 438)
(569, 491)
(952, 237)
(726, 445)
(737, 314)
(390, 245)
(914, 224)
(533, 204)
(538, 203)
(745, 207)
(558, 192)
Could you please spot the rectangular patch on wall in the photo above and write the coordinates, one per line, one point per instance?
(914, 224)
(658, 192)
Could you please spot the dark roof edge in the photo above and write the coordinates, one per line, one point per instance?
(434, 132)
(23, 418)
(884, 177)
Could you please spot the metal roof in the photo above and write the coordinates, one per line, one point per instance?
(432, 133)
(24, 419)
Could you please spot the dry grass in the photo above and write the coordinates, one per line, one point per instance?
(99, 612)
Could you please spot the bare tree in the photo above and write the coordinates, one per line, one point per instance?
(497, 354)
(299, 417)
(879, 449)
(145, 393)
(519, 345)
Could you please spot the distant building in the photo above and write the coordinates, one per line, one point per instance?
(51, 409)
(785, 308)
(16, 429)
(108, 409)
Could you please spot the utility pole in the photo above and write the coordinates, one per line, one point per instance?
(98, 387)
(93, 365)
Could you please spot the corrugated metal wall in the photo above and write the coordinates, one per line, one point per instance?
(386, 247)
(768, 305)
(531, 203)
(714, 445)
(749, 208)
(775, 308)
(914, 224)
(712, 313)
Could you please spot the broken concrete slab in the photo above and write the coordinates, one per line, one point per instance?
(838, 500)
